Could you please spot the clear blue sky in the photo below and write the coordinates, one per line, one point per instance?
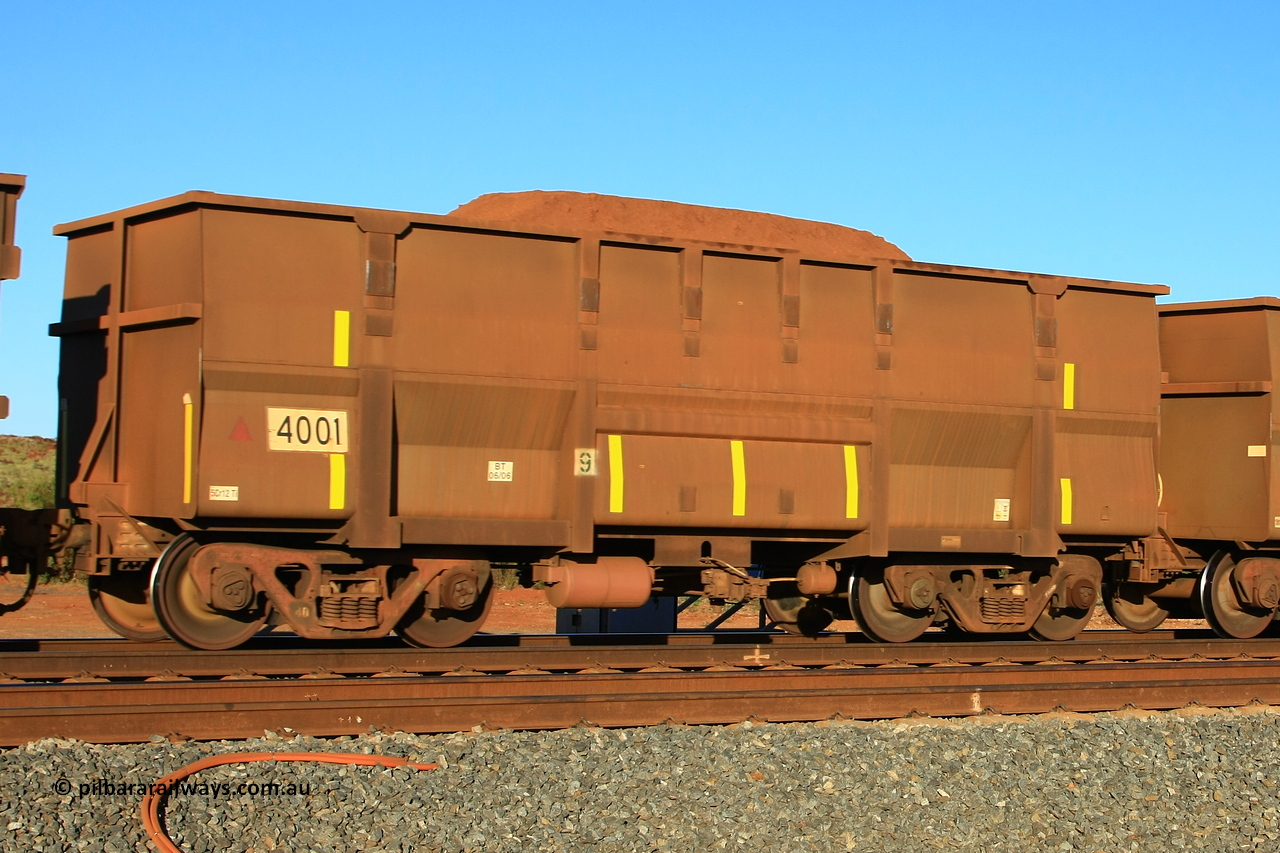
(1122, 140)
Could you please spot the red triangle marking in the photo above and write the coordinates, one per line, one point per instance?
(241, 431)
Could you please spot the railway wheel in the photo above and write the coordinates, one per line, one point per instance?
(1060, 623)
(1226, 614)
(123, 603)
(181, 608)
(796, 613)
(439, 629)
(17, 582)
(877, 615)
(1132, 608)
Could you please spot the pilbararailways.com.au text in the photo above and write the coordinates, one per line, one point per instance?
(212, 790)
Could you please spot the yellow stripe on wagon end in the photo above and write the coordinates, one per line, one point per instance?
(615, 473)
(1065, 484)
(337, 481)
(739, 478)
(1068, 386)
(188, 445)
(341, 338)
(850, 481)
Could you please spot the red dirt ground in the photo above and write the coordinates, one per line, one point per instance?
(57, 610)
(63, 610)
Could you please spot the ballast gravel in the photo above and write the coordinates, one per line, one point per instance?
(1194, 780)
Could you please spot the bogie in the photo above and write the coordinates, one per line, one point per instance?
(218, 594)
(896, 603)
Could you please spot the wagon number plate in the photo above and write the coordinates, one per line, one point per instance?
(313, 430)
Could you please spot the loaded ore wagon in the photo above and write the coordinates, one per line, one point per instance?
(341, 419)
(24, 533)
(1218, 549)
(11, 187)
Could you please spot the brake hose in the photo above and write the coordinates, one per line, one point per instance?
(153, 800)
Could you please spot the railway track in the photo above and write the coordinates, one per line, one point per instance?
(115, 691)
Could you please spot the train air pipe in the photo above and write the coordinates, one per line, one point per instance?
(609, 582)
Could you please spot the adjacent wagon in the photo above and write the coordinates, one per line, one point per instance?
(1218, 549)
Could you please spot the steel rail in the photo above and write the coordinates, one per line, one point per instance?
(276, 657)
(136, 711)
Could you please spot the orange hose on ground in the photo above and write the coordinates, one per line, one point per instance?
(154, 798)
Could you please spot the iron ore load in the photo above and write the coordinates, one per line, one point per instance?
(341, 419)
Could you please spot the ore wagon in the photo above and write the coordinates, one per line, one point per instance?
(24, 533)
(11, 187)
(1217, 552)
(341, 419)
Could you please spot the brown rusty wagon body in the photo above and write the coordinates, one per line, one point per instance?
(24, 533)
(11, 187)
(344, 417)
(1219, 550)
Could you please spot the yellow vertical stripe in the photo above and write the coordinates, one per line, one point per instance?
(188, 442)
(1068, 386)
(850, 481)
(1065, 483)
(739, 478)
(337, 481)
(615, 473)
(341, 338)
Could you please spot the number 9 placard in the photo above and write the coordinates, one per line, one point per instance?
(312, 430)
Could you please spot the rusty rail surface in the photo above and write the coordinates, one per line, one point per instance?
(526, 685)
(45, 660)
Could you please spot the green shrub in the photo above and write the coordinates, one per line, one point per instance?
(27, 472)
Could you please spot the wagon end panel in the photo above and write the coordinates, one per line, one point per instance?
(158, 335)
(1217, 443)
(1214, 461)
(82, 364)
(87, 370)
